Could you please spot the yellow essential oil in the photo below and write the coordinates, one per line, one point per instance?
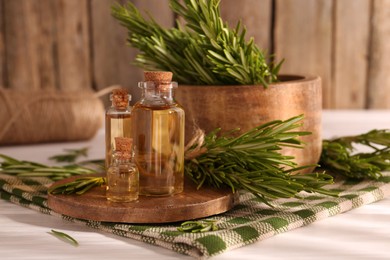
(158, 135)
(123, 174)
(118, 121)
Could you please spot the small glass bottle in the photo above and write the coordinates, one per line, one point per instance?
(118, 120)
(158, 135)
(122, 175)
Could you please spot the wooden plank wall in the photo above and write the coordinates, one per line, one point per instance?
(111, 56)
(303, 38)
(379, 69)
(47, 44)
(76, 44)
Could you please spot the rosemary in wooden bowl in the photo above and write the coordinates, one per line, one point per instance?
(202, 51)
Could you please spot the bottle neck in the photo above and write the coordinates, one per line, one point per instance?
(157, 93)
(120, 102)
(119, 157)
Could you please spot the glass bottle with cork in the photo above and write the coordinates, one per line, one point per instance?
(118, 120)
(158, 135)
(122, 175)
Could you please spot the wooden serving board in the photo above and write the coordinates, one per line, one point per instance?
(190, 204)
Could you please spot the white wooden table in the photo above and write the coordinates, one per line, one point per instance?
(363, 233)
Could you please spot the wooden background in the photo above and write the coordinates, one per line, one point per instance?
(76, 44)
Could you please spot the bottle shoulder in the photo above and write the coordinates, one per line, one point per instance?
(114, 111)
(151, 106)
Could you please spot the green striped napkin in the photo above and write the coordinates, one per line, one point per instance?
(248, 222)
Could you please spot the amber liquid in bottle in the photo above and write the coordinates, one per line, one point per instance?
(118, 121)
(159, 141)
(118, 124)
(122, 182)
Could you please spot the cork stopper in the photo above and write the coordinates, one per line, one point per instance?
(123, 147)
(161, 79)
(158, 76)
(120, 98)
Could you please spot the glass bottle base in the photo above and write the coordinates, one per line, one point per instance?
(121, 198)
(160, 192)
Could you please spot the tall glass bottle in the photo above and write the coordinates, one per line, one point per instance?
(158, 135)
(118, 120)
(122, 175)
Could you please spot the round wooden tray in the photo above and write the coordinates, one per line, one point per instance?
(190, 204)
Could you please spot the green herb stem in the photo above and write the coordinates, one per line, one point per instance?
(340, 155)
(22, 168)
(253, 162)
(78, 186)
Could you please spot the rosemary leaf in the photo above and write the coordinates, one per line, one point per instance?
(198, 226)
(64, 237)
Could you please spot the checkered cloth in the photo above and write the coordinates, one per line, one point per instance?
(248, 222)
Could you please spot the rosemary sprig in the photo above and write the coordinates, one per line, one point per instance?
(78, 186)
(339, 155)
(253, 162)
(22, 168)
(70, 155)
(64, 237)
(198, 226)
(205, 50)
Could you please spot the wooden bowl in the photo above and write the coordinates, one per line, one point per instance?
(248, 106)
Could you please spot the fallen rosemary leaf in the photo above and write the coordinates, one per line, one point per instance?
(198, 226)
(64, 237)
(71, 155)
